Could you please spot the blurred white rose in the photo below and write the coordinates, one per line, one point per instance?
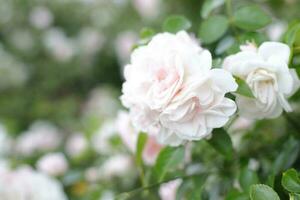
(168, 191)
(276, 30)
(40, 17)
(76, 145)
(123, 46)
(129, 136)
(101, 103)
(101, 140)
(170, 86)
(116, 166)
(266, 71)
(59, 45)
(41, 137)
(148, 8)
(90, 41)
(24, 183)
(53, 164)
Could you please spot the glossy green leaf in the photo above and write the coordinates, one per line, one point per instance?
(213, 28)
(243, 88)
(176, 23)
(209, 5)
(142, 139)
(290, 181)
(168, 158)
(287, 156)
(221, 141)
(251, 18)
(247, 178)
(263, 192)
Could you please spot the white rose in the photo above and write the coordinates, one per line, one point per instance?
(129, 136)
(168, 191)
(265, 70)
(170, 86)
(53, 164)
(24, 183)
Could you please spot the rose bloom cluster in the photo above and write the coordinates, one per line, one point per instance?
(171, 86)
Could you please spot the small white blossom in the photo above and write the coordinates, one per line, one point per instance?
(24, 183)
(116, 166)
(41, 17)
(41, 137)
(168, 191)
(53, 164)
(266, 71)
(76, 145)
(148, 8)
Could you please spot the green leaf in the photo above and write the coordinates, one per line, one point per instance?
(168, 158)
(236, 195)
(294, 196)
(209, 6)
(176, 23)
(290, 181)
(251, 18)
(254, 37)
(263, 192)
(224, 45)
(247, 178)
(221, 141)
(140, 145)
(287, 156)
(243, 88)
(191, 189)
(213, 28)
(292, 35)
(146, 33)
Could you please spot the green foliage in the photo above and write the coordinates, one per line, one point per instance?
(251, 18)
(209, 6)
(236, 195)
(140, 145)
(287, 156)
(167, 160)
(243, 88)
(221, 141)
(247, 178)
(292, 36)
(176, 23)
(213, 28)
(263, 192)
(290, 181)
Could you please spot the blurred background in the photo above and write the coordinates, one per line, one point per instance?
(61, 64)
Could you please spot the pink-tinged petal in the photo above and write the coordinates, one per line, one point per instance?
(223, 80)
(219, 115)
(274, 49)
